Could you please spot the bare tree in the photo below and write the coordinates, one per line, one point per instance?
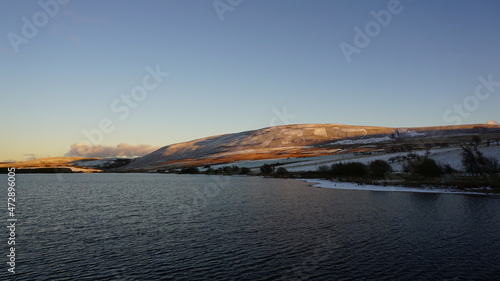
(476, 163)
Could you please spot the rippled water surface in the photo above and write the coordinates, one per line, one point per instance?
(176, 227)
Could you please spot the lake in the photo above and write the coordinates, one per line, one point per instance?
(197, 227)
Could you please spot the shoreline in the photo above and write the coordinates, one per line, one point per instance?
(322, 183)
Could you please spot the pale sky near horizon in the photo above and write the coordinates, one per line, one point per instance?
(67, 67)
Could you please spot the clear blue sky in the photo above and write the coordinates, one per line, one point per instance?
(234, 74)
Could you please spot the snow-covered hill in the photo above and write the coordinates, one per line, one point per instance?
(305, 140)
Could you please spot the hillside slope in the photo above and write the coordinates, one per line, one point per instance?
(53, 162)
(301, 141)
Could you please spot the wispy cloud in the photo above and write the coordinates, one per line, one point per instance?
(120, 150)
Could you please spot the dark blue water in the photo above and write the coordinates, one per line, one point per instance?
(173, 227)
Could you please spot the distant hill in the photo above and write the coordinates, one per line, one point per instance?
(65, 164)
(305, 140)
(287, 141)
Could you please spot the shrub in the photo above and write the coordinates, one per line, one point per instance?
(230, 170)
(323, 169)
(447, 169)
(189, 170)
(266, 169)
(281, 171)
(428, 167)
(352, 169)
(245, 171)
(379, 168)
(422, 166)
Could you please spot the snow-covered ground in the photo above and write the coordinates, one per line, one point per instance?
(362, 141)
(451, 156)
(294, 163)
(354, 186)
